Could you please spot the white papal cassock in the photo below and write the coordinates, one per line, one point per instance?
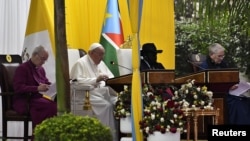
(102, 98)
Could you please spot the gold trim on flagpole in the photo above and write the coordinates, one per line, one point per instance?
(127, 43)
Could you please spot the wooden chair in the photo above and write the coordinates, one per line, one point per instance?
(195, 60)
(8, 65)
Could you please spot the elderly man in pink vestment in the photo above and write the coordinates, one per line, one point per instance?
(90, 69)
(30, 77)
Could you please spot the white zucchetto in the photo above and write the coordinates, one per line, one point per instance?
(94, 46)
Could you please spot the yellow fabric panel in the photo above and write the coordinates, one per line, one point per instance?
(44, 9)
(84, 19)
(125, 19)
(157, 25)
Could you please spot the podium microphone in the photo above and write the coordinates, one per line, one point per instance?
(113, 63)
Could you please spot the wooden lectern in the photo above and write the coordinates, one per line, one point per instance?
(149, 77)
(219, 82)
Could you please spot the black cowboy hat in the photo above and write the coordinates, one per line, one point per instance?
(150, 47)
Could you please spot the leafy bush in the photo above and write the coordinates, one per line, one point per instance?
(69, 127)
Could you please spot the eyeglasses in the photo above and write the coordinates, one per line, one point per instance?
(42, 58)
(221, 56)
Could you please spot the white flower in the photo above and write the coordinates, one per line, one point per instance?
(172, 121)
(175, 115)
(193, 81)
(180, 123)
(195, 96)
(202, 102)
(162, 119)
(125, 87)
(152, 116)
(185, 103)
(128, 114)
(209, 94)
(122, 111)
(198, 89)
(175, 92)
(149, 93)
(189, 85)
(183, 86)
(158, 104)
(146, 129)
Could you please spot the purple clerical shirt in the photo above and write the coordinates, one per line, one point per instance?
(26, 80)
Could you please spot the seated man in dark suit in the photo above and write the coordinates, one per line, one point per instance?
(149, 57)
(237, 106)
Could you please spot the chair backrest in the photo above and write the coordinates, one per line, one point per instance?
(196, 60)
(124, 57)
(8, 66)
(73, 56)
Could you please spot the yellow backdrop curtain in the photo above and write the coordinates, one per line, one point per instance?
(84, 19)
(157, 25)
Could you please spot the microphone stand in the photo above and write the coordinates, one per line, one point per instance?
(113, 63)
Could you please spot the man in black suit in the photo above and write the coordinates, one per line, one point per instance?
(149, 57)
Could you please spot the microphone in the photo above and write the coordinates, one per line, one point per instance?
(113, 63)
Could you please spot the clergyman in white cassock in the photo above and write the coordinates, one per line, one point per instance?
(90, 69)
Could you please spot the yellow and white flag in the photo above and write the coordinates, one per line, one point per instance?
(40, 31)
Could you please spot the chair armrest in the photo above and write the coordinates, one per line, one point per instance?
(7, 100)
(81, 86)
(7, 93)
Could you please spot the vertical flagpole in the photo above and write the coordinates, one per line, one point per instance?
(136, 79)
(62, 71)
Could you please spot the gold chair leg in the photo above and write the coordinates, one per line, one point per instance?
(87, 105)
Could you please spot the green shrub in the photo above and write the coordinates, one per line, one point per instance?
(69, 127)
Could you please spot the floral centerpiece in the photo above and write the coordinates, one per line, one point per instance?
(164, 106)
(162, 111)
(195, 97)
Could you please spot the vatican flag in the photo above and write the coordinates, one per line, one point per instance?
(40, 31)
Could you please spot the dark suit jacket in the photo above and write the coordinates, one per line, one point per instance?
(209, 64)
(145, 66)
